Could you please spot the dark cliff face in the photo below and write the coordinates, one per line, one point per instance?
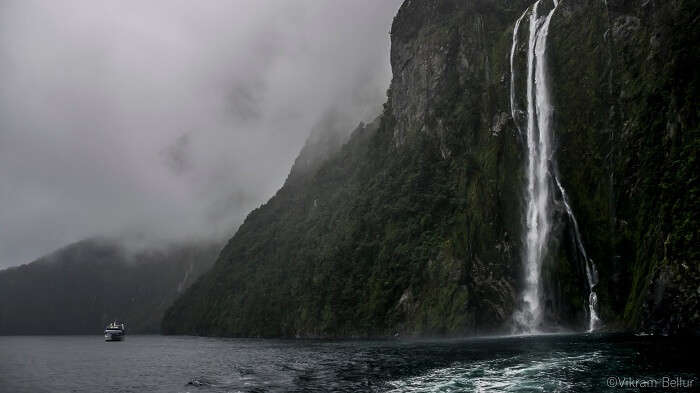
(415, 225)
(626, 90)
(84, 286)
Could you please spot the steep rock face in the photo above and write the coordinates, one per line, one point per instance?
(84, 286)
(439, 47)
(415, 225)
(627, 127)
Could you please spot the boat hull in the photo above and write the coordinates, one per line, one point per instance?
(114, 337)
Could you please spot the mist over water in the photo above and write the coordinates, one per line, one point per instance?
(168, 120)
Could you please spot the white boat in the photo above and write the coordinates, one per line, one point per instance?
(115, 331)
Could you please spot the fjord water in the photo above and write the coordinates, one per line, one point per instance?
(551, 363)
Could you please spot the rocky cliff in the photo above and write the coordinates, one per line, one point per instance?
(415, 225)
(627, 127)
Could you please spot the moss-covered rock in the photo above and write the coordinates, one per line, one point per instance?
(626, 93)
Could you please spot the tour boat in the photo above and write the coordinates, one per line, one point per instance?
(115, 332)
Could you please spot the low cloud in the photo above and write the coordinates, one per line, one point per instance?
(168, 120)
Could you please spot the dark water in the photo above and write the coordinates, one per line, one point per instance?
(563, 363)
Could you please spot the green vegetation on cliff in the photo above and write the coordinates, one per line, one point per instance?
(628, 133)
(414, 225)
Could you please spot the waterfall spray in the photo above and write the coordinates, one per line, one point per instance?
(538, 219)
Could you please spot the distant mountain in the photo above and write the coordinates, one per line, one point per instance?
(82, 287)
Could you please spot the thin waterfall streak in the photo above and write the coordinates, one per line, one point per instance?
(513, 110)
(591, 271)
(570, 213)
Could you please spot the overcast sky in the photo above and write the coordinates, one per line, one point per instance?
(168, 120)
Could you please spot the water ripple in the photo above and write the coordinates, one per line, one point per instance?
(513, 374)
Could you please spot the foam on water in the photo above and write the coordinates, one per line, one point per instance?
(513, 374)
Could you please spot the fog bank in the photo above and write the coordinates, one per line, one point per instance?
(169, 120)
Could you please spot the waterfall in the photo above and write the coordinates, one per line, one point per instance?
(513, 110)
(591, 272)
(538, 218)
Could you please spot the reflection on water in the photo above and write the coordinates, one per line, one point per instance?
(550, 363)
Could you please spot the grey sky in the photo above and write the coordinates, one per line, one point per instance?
(168, 120)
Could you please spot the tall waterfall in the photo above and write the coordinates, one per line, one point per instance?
(540, 179)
